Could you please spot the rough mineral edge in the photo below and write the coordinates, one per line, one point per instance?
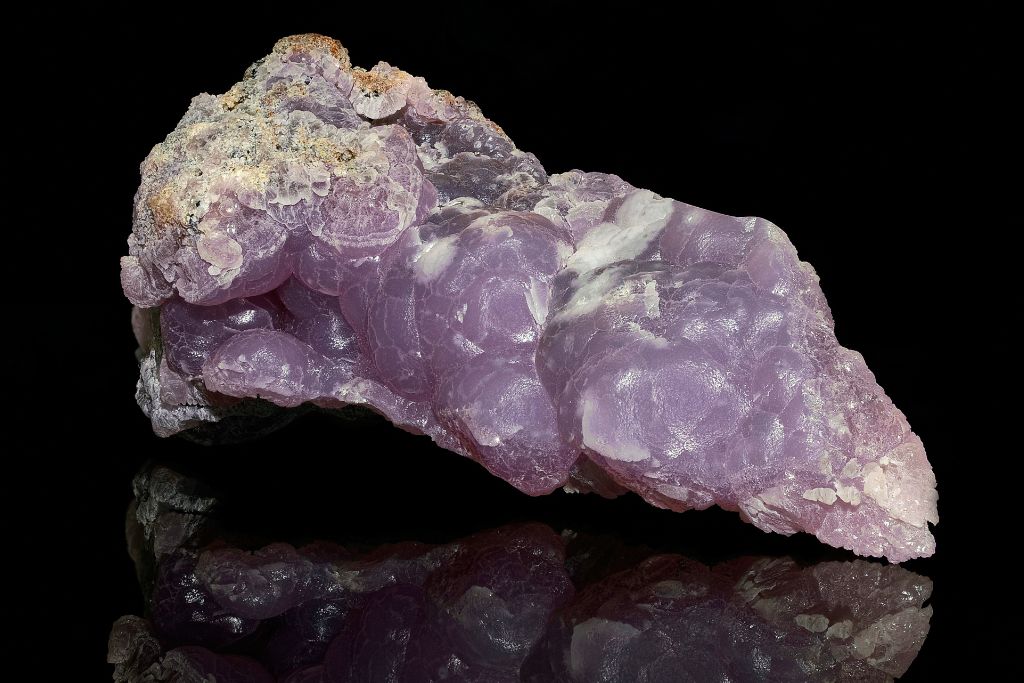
(325, 235)
(516, 603)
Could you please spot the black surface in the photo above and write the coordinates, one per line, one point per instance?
(859, 134)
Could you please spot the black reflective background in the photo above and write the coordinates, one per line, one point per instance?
(860, 135)
(243, 586)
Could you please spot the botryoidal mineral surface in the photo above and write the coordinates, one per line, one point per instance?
(322, 234)
(515, 603)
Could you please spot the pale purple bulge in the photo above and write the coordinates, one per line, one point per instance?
(329, 235)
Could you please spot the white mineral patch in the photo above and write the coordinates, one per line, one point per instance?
(848, 494)
(220, 251)
(680, 493)
(495, 233)
(875, 486)
(589, 295)
(822, 495)
(764, 508)
(651, 299)
(537, 295)
(648, 336)
(637, 223)
(838, 424)
(852, 469)
(436, 256)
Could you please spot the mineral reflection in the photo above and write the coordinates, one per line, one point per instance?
(516, 603)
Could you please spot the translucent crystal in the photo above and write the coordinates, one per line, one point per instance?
(325, 235)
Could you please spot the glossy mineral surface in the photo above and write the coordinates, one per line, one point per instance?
(322, 234)
(515, 603)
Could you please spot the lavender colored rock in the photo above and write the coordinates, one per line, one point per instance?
(325, 235)
(517, 603)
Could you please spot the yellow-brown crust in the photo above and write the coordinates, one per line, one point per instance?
(164, 207)
(314, 42)
(283, 90)
(252, 143)
(379, 81)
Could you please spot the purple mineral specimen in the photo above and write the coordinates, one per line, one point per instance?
(325, 235)
(517, 603)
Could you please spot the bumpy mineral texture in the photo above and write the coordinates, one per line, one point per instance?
(325, 235)
(517, 603)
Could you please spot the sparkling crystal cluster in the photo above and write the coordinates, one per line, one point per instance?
(322, 234)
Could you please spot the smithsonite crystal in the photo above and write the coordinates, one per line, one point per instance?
(322, 234)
